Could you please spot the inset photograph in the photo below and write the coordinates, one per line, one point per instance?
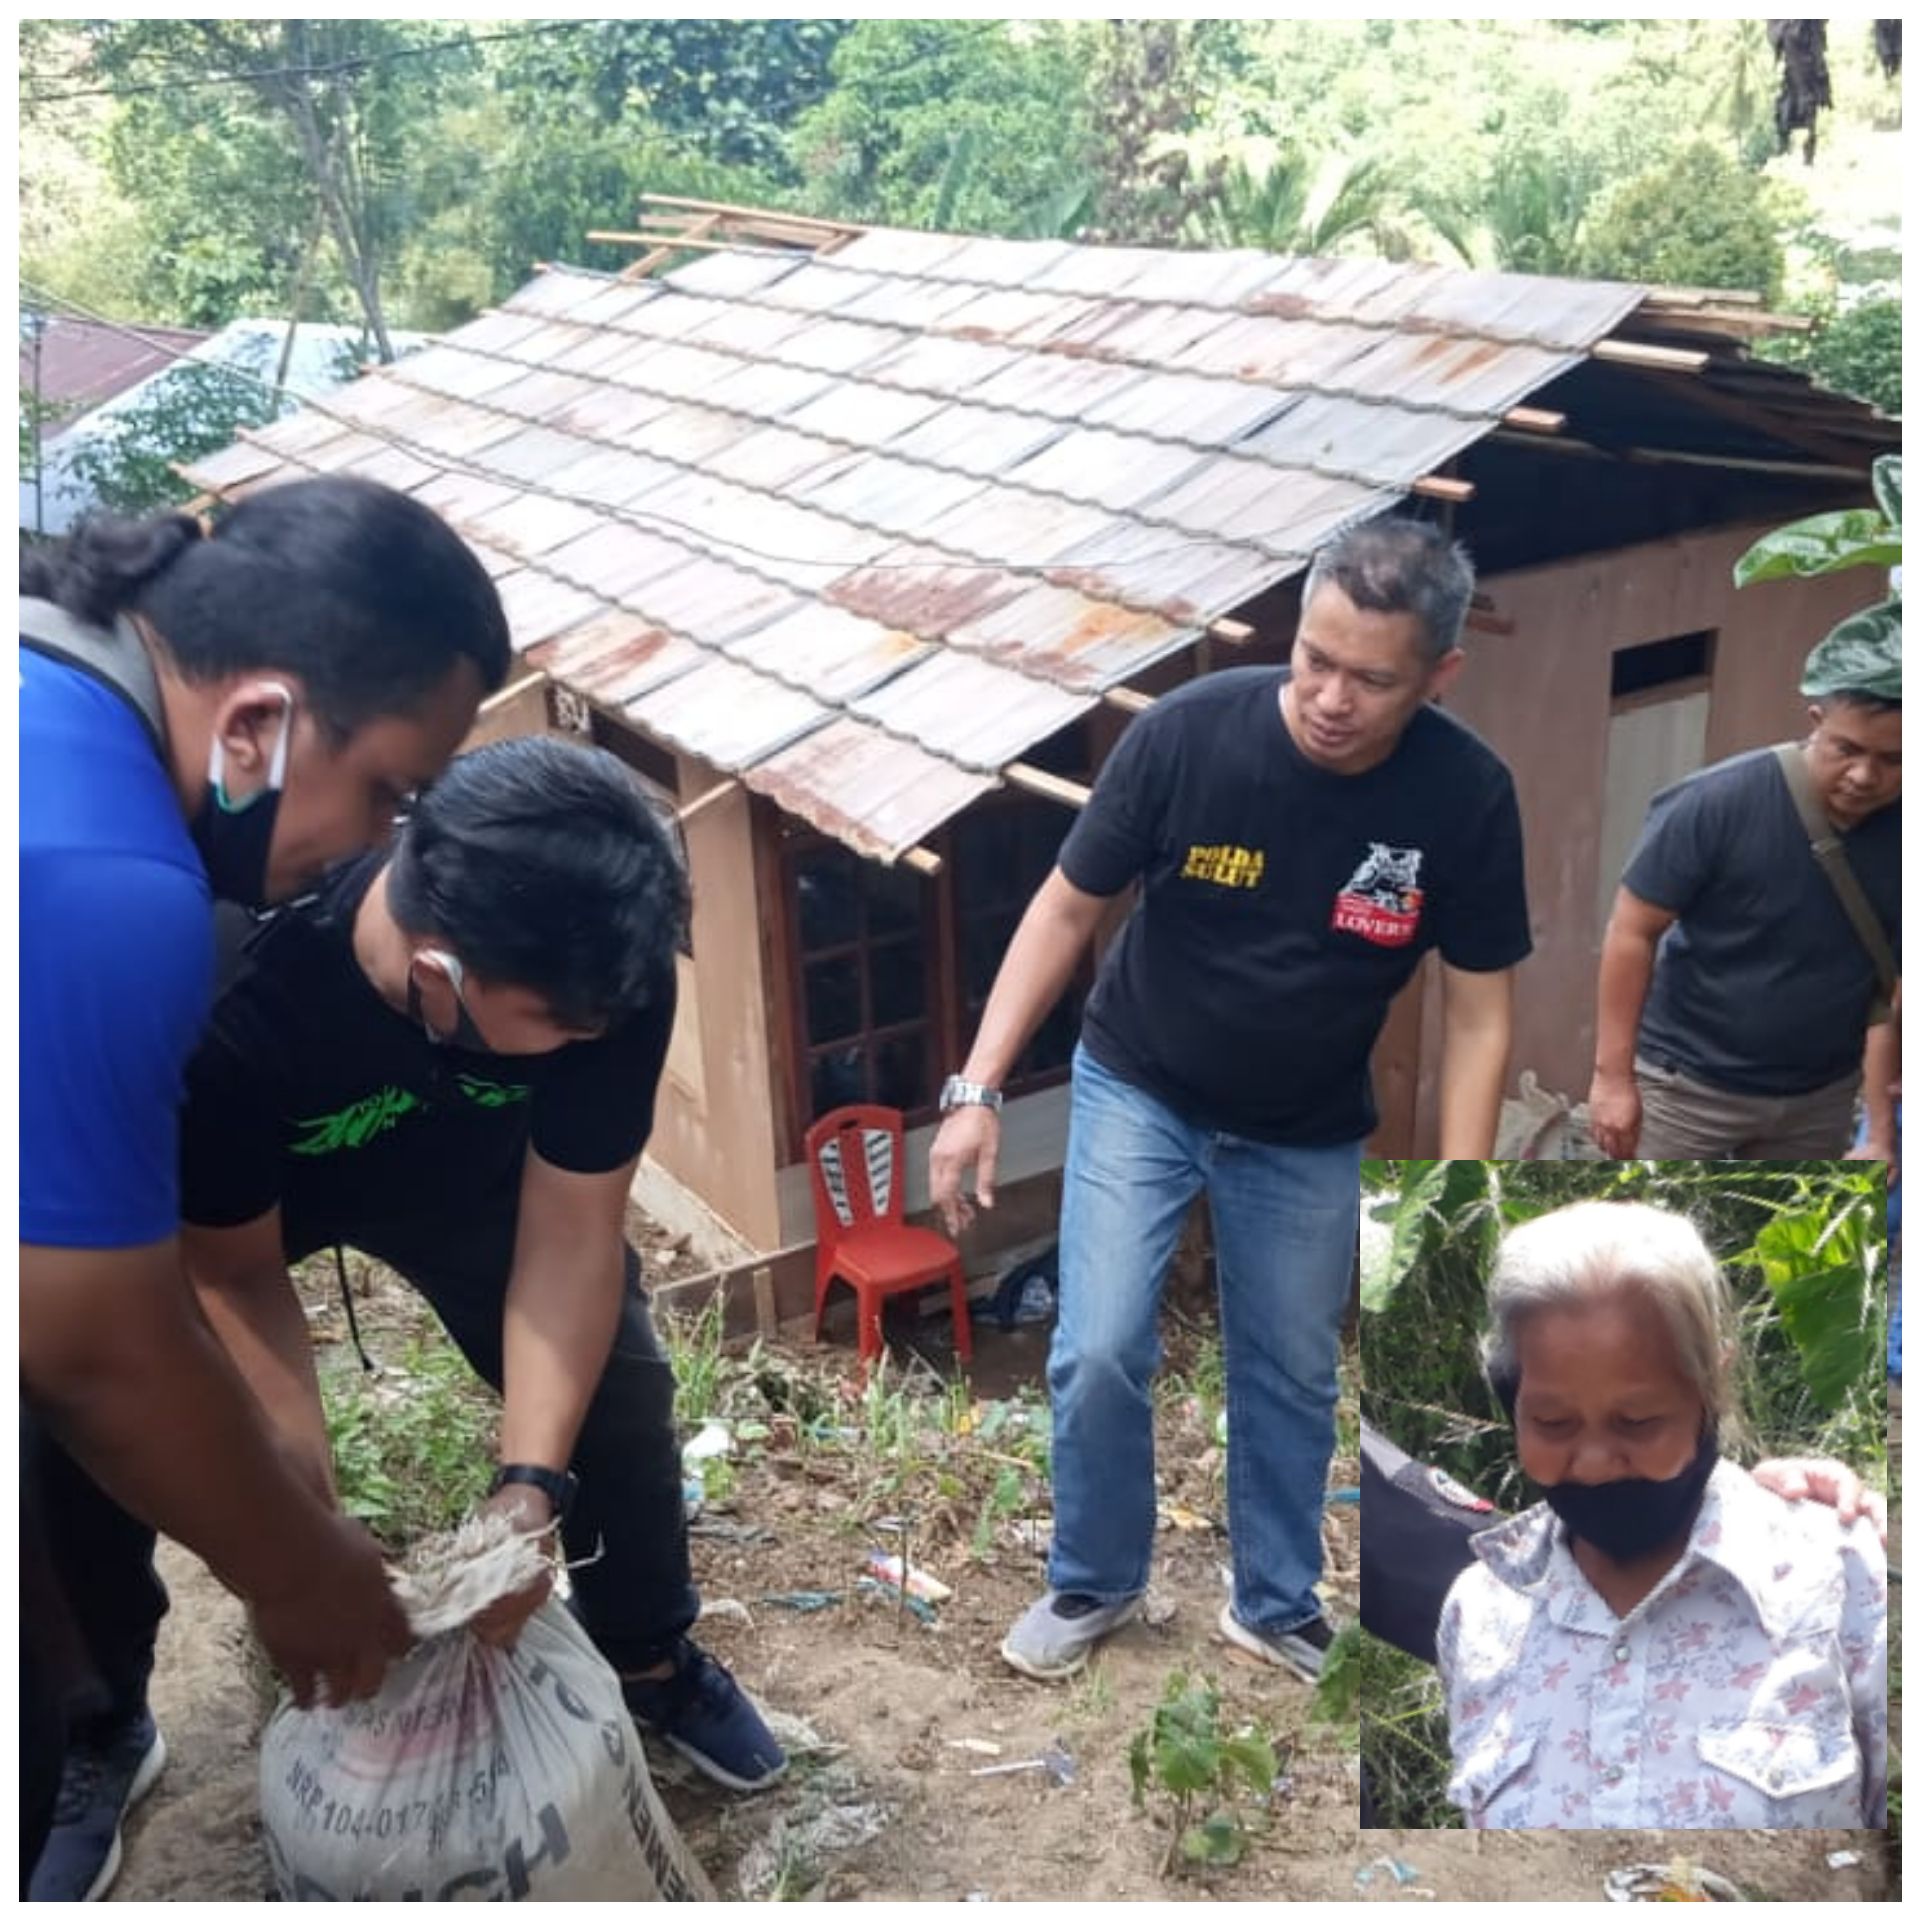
(1625, 1465)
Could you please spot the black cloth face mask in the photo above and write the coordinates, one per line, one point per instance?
(235, 838)
(466, 1032)
(1627, 1519)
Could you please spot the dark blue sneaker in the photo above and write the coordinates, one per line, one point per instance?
(701, 1713)
(105, 1775)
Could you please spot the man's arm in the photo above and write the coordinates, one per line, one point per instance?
(1477, 1041)
(130, 1379)
(240, 1278)
(1046, 947)
(1626, 972)
(1880, 1074)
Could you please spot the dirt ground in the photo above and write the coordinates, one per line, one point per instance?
(882, 1802)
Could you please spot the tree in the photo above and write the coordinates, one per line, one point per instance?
(1697, 220)
(351, 94)
(1285, 201)
(726, 90)
(1855, 352)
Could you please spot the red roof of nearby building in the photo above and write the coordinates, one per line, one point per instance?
(82, 363)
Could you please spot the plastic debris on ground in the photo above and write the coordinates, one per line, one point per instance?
(714, 1441)
(967, 1744)
(803, 1600)
(1846, 1857)
(805, 1838)
(1396, 1870)
(922, 1610)
(725, 1609)
(1158, 1607)
(1059, 1766)
(1185, 1520)
(1678, 1879)
(799, 1736)
(918, 1581)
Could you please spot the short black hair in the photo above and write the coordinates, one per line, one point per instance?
(1397, 565)
(1866, 702)
(365, 594)
(544, 865)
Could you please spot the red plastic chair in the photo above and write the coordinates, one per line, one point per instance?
(854, 1155)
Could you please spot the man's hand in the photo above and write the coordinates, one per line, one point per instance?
(1613, 1112)
(1828, 1483)
(530, 1511)
(333, 1631)
(968, 1141)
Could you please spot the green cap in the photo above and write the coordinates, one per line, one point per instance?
(1861, 656)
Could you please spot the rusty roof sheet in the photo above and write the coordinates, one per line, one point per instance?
(866, 525)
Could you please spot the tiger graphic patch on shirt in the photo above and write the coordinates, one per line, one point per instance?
(1381, 902)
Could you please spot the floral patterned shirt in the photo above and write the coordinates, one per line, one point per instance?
(1748, 1689)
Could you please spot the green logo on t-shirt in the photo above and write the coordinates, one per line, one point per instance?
(490, 1093)
(380, 1112)
(354, 1126)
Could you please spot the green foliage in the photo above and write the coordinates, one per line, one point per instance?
(1204, 1772)
(907, 93)
(1856, 352)
(1286, 201)
(413, 1444)
(194, 408)
(1696, 220)
(727, 90)
(1391, 1706)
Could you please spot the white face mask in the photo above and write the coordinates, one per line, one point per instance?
(466, 1030)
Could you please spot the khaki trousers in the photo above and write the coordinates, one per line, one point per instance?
(1685, 1119)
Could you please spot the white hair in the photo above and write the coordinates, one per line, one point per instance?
(1594, 1248)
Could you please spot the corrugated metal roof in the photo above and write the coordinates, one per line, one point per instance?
(866, 525)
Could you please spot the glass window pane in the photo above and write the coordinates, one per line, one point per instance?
(828, 883)
(899, 978)
(897, 898)
(900, 1071)
(833, 998)
(839, 1080)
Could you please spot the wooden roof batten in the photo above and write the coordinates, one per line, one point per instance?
(439, 430)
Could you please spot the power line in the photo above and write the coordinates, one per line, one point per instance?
(355, 64)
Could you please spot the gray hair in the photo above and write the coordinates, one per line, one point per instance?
(1400, 566)
(1596, 1247)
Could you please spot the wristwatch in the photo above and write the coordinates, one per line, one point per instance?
(968, 1093)
(558, 1487)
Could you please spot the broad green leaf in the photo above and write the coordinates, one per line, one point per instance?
(1886, 486)
(1384, 1265)
(1218, 1841)
(1872, 627)
(1819, 1274)
(1252, 1758)
(1823, 543)
(1188, 1766)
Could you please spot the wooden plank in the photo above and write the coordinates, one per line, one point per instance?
(1633, 353)
(1127, 699)
(766, 1318)
(1533, 420)
(1456, 493)
(750, 213)
(1049, 786)
(923, 861)
(494, 701)
(1236, 633)
(701, 802)
(1703, 296)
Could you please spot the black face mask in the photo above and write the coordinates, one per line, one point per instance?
(466, 1032)
(1627, 1519)
(235, 840)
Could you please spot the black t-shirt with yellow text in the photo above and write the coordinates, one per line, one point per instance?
(1283, 906)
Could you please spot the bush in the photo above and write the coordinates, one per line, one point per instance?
(1697, 220)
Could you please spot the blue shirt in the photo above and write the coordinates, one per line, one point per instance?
(116, 967)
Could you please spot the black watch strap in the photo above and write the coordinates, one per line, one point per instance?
(558, 1487)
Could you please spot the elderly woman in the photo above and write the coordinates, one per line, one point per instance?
(1661, 1643)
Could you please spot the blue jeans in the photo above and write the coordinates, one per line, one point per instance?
(1285, 1224)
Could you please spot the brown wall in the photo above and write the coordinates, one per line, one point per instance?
(1541, 697)
(714, 1121)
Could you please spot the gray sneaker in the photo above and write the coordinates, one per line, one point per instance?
(1053, 1638)
(1301, 1650)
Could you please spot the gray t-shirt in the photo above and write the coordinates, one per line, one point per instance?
(1761, 986)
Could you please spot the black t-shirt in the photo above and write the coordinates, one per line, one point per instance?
(1762, 986)
(311, 1093)
(1284, 906)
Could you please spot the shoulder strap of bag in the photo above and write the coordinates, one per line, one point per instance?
(1832, 856)
(113, 656)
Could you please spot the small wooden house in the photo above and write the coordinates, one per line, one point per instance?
(863, 546)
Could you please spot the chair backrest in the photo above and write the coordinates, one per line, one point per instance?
(855, 1155)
